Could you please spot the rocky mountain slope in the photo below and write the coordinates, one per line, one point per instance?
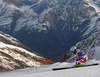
(50, 27)
(89, 47)
(14, 55)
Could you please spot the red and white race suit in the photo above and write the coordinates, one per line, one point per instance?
(82, 59)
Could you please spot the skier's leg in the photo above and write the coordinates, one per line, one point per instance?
(77, 62)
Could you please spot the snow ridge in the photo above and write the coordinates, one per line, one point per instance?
(14, 55)
(93, 26)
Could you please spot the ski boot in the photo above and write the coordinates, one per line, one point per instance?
(77, 64)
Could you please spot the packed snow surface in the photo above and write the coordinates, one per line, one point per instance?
(46, 71)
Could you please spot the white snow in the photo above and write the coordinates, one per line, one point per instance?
(6, 11)
(91, 3)
(29, 19)
(3, 45)
(11, 52)
(46, 71)
(17, 56)
(8, 37)
(64, 15)
(45, 11)
(93, 24)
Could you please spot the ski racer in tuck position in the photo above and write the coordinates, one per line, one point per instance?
(79, 55)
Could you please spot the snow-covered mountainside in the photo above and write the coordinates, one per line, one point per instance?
(50, 27)
(14, 55)
(89, 47)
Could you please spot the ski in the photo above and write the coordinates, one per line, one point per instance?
(54, 69)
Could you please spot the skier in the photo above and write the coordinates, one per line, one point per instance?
(79, 55)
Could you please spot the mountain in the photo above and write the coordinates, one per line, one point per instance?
(90, 45)
(50, 27)
(14, 55)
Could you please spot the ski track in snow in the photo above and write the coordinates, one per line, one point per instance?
(46, 71)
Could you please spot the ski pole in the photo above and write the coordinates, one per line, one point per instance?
(82, 47)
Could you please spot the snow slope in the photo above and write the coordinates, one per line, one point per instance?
(93, 24)
(46, 71)
(15, 55)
